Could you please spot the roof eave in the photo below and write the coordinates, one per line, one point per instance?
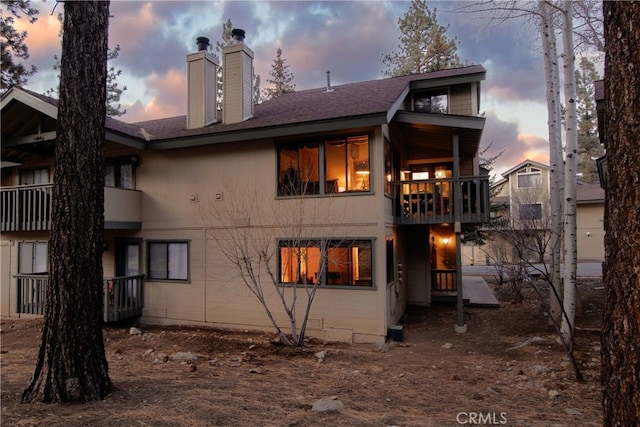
(270, 132)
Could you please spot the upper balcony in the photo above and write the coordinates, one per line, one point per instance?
(441, 201)
(28, 208)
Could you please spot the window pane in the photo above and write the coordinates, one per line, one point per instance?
(299, 262)
(288, 170)
(40, 257)
(531, 211)
(309, 169)
(349, 264)
(157, 260)
(431, 102)
(109, 176)
(358, 163)
(529, 180)
(335, 170)
(178, 267)
(132, 260)
(126, 176)
(25, 258)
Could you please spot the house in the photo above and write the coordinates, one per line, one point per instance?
(521, 202)
(382, 175)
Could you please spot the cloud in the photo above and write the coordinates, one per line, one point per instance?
(505, 137)
(166, 97)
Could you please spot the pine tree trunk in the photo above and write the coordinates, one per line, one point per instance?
(621, 324)
(71, 362)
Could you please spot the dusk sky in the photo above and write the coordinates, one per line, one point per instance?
(346, 37)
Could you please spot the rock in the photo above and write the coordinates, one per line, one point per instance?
(554, 393)
(148, 351)
(252, 346)
(161, 358)
(383, 347)
(320, 355)
(213, 362)
(255, 371)
(328, 404)
(570, 411)
(135, 331)
(192, 368)
(447, 345)
(181, 355)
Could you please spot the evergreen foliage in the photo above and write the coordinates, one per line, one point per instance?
(14, 73)
(424, 45)
(281, 78)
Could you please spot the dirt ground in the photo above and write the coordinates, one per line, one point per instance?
(507, 370)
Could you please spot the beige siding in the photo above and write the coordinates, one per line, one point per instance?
(460, 101)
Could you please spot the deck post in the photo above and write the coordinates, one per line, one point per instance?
(460, 327)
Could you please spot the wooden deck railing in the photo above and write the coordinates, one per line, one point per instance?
(444, 281)
(123, 296)
(434, 201)
(26, 207)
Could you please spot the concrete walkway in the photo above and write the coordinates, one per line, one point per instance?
(477, 292)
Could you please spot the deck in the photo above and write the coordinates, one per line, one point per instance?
(123, 296)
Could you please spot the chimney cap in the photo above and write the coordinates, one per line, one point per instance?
(203, 43)
(238, 35)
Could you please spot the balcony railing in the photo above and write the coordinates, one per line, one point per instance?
(28, 208)
(435, 201)
(123, 296)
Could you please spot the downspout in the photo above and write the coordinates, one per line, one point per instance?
(460, 326)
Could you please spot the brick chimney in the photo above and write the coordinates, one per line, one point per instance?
(237, 79)
(201, 91)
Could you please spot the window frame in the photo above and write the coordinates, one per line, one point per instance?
(322, 187)
(325, 244)
(24, 174)
(117, 163)
(168, 242)
(430, 93)
(530, 208)
(33, 263)
(529, 172)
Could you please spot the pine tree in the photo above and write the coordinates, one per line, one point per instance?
(71, 363)
(281, 78)
(424, 46)
(620, 336)
(588, 141)
(13, 45)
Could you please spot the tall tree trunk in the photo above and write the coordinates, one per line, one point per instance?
(71, 362)
(571, 164)
(621, 322)
(556, 168)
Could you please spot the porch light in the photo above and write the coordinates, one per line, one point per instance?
(440, 173)
(445, 240)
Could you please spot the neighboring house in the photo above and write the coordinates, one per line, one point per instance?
(521, 203)
(386, 171)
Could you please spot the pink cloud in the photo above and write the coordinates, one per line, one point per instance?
(168, 98)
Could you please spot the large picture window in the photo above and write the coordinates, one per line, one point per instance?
(168, 260)
(326, 262)
(335, 165)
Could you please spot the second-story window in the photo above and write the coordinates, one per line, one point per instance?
(119, 173)
(431, 101)
(529, 177)
(530, 211)
(334, 165)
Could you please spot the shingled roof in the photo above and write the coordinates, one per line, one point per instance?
(372, 99)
